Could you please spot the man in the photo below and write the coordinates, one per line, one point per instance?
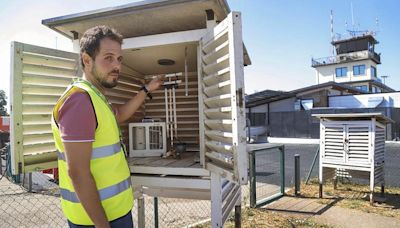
(94, 176)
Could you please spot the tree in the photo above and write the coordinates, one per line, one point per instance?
(3, 103)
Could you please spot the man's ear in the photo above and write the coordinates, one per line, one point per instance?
(87, 60)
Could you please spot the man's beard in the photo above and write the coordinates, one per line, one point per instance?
(102, 78)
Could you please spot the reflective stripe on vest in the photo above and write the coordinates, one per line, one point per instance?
(99, 152)
(104, 193)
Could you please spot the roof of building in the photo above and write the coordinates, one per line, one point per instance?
(263, 95)
(144, 18)
(368, 36)
(352, 116)
(268, 96)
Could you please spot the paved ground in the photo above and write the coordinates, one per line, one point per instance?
(347, 218)
(330, 214)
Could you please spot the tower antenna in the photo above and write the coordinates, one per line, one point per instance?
(332, 34)
(352, 15)
(377, 25)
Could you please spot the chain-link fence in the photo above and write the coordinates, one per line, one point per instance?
(40, 207)
(308, 152)
(28, 200)
(268, 173)
(170, 212)
(21, 208)
(33, 200)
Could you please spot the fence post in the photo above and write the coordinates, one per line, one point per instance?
(141, 212)
(297, 174)
(155, 212)
(1, 161)
(282, 168)
(312, 165)
(252, 167)
(29, 182)
(238, 213)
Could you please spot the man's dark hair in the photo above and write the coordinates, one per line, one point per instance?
(90, 41)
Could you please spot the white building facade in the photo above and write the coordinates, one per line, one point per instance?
(382, 100)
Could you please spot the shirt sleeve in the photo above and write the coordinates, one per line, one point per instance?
(77, 119)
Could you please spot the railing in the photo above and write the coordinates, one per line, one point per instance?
(375, 56)
(346, 58)
(267, 174)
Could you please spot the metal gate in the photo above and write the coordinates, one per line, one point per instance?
(266, 172)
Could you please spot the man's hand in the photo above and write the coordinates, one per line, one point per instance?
(155, 83)
(127, 110)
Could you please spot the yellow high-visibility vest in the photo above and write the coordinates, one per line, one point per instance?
(108, 164)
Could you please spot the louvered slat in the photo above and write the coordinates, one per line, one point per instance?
(333, 143)
(358, 143)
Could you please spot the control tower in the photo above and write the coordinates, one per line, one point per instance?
(355, 63)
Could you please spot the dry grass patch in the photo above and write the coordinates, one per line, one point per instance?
(259, 217)
(355, 196)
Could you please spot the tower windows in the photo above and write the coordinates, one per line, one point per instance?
(341, 72)
(359, 70)
(373, 71)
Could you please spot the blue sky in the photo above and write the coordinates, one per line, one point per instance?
(281, 36)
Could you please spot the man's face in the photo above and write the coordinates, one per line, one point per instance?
(107, 64)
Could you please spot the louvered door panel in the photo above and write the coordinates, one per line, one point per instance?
(217, 97)
(222, 99)
(333, 139)
(358, 138)
(39, 76)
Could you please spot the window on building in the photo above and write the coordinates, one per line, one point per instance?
(363, 88)
(359, 70)
(378, 90)
(303, 104)
(341, 72)
(373, 71)
(307, 104)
